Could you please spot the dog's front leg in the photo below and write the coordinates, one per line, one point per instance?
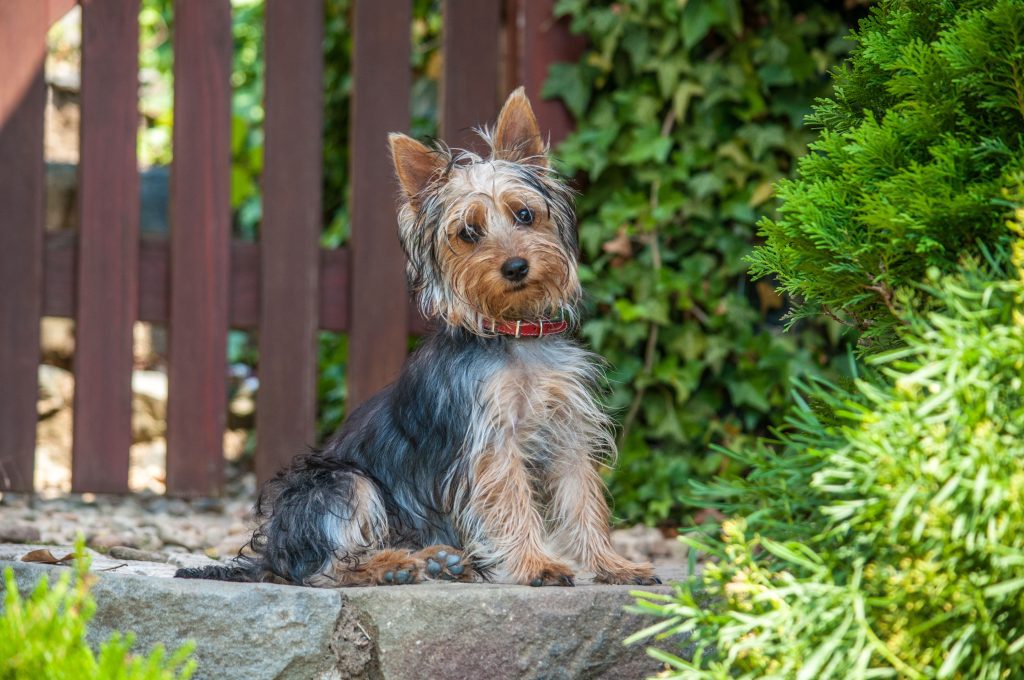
(581, 516)
(510, 525)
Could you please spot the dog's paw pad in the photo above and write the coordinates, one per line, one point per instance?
(446, 564)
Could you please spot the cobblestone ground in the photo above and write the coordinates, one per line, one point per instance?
(216, 528)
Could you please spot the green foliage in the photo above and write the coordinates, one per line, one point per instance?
(920, 138)
(882, 540)
(876, 535)
(43, 636)
(687, 113)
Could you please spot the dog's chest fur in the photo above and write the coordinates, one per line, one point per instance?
(539, 396)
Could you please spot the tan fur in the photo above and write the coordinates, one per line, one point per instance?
(474, 269)
(503, 503)
(484, 195)
(536, 496)
(370, 570)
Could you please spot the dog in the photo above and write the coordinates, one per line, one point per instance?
(483, 459)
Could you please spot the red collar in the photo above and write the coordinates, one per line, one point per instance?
(526, 329)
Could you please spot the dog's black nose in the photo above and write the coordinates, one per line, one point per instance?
(515, 269)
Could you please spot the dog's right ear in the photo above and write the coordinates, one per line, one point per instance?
(415, 164)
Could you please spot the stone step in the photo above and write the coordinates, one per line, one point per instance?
(427, 630)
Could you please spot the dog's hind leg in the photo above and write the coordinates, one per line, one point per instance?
(322, 519)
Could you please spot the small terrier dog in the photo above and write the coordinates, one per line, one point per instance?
(482, 459)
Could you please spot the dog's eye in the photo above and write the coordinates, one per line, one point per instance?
(470, 233)
(524, 216)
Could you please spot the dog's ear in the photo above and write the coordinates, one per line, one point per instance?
(415, 164)
(517, 135)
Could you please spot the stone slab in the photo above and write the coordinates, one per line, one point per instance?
(441, 630)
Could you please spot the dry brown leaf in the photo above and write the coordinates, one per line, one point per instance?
(620, 245)
(44, 556)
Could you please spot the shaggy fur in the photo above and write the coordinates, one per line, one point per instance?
(483, 458)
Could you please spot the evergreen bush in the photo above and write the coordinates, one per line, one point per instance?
(922, 134)
(882, 538)
(877, 534)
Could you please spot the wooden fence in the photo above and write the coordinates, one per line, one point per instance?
(199, 281)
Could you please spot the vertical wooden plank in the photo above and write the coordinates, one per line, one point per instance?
(108, 246)
(537, 40)
(290, 234)
(470, 81)
(380, 104)
(58, 8)
(200, 247)
(22, 97)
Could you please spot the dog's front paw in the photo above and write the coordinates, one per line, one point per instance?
(446, 563)
(549, 574)
(390, 568)
(628, 573)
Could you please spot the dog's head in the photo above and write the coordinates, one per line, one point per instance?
(488, 239)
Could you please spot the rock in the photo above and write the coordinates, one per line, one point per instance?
(230, 545)
(528, 632)
(644, 544)
(56, 390)
(57, 338)
(123, 552)
(53, 452)
(149, 405)
(189, 560)
(245, 630)
(147, 469)
(176, 507)
(19, 533)
(248, 631)
(105, 540)
(242, 407)
(235, 442)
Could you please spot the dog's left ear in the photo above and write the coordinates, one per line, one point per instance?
(517, 135)
(415, 164)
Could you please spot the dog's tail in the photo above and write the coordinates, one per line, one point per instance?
(242, 568)
(315, 516)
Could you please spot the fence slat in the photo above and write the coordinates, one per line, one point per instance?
(59, 284)
(470, 82)
(200, 247)
(380, 104)
(290, 233)
(22, 97)
(535, 42)
(108, 245)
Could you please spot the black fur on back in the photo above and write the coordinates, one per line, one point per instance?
(407, 440)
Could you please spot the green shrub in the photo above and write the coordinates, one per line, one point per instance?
(43, 637)
(686, 113)
(877, 534)
(884, 538)
(922, 135)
